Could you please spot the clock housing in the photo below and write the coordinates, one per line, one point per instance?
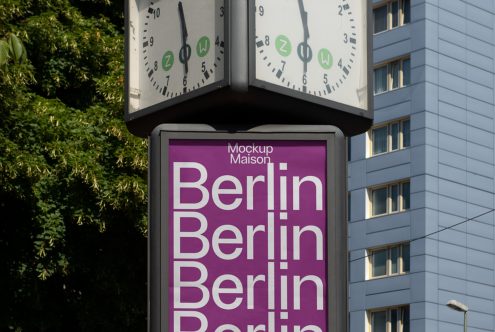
(329, 64)
(247, 92)
(175, 51)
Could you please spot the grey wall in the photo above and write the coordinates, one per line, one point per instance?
(451, 166)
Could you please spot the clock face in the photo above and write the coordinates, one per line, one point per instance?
(175, 48)
(314, 47)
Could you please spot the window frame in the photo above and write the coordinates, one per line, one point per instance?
(388, 264)
(388, 314)
(389, 139)
(390, 82)
(401, 199)
(401, 12)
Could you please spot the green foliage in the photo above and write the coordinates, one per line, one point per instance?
(72, 179)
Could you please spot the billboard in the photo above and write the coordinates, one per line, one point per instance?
(248, 234)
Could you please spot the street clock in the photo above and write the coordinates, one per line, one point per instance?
(176, 49)
(248, 62)
(317, 47)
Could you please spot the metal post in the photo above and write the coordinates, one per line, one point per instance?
(465, 321)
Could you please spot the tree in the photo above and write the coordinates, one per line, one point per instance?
(72, 179)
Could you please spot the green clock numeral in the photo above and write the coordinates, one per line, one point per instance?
(325, 58)
(203, 46)
(283, 45)
(168, 60)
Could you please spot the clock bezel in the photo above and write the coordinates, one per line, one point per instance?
(130, 116)
(255, 82)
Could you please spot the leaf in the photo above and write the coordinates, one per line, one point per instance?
(24, 55)
(16, 47)
(4, 52)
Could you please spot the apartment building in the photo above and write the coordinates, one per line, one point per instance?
(422, 181)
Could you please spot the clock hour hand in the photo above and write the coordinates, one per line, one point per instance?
(304, 50)
(185, 51)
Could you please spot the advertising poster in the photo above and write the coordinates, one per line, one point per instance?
(247, 235)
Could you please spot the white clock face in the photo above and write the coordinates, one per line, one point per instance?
(175, 47)
(317, 47)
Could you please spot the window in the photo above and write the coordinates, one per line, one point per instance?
(389, 261)
(390, 320)
(391, 198)
(391, 14)
(393, 75)
(389, 137)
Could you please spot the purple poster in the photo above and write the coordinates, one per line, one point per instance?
(247, 237)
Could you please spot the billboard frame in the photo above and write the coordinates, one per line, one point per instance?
(336, 195)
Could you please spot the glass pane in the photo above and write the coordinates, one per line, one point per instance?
(379, 263)
(394, 71)
(406, 10)
(406, 72)
(379, 201)
(380, 19)
(394, 196)
(394, 260)
(405, 319)
(395, 14)
(406, 193)
(381, 79)
(394, 320)
(379, 321)
(406, 258)
(394, 132)
(379, 140)
(406, 134)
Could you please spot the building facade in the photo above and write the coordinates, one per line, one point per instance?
(422, 181)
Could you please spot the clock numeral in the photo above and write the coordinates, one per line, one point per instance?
(340, 10)
(340, 63)
(305, 79)
(222, 11)
(168, 79)
(283, 65)
(346, 38)
(203, 66)
(325, 78)
(156, 13)
(184, 81)
(156, 65)
(261, 10)
(267, 40)
(152, 41)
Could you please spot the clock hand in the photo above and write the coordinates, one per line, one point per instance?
(184, 53)
(304, 50)
(304, 18)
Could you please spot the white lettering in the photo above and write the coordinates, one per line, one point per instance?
(217, 191)
(179, 234)
(179, 284)
(217, 240)
(179, 185)
(178, 315)
(218, 290)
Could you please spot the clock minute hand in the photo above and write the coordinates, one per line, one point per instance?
(184, 50)
(304, 18)
(304, 50)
